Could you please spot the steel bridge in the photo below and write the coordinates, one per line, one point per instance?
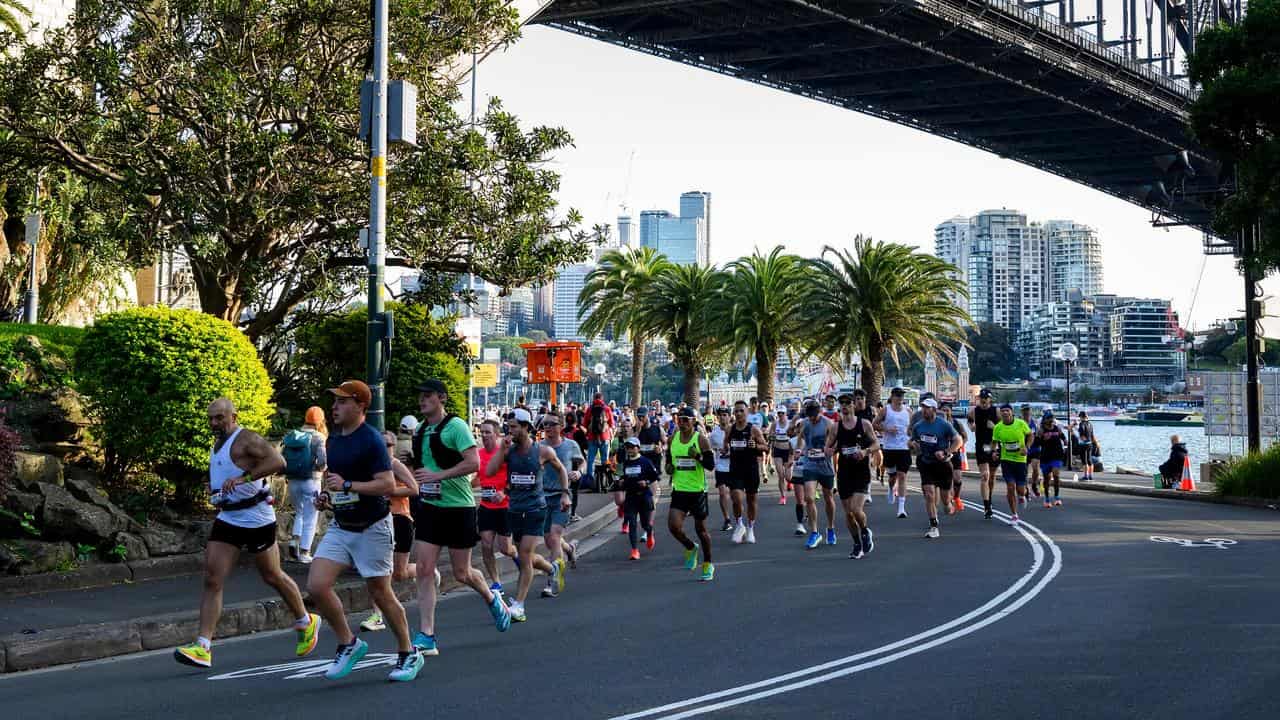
(1031, 81)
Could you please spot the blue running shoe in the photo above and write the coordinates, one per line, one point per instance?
(868, 541)
(831, 536)
(407, 667)
(501, 616)
(813, 540)
(426, 644)
(346, 660)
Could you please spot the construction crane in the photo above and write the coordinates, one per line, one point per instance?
(626, 185)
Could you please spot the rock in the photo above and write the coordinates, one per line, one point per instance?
(55, 416)
(35, 468)
(66, 517)
(161, 540)
(84, 490)
(71, 644)
(7, 559)
(134, 547)
(38, 556)
(24, 502)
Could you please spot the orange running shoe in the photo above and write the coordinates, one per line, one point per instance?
(782, 500)
(635, 555)
(649, 542)
(959, 503)
(1047, 504)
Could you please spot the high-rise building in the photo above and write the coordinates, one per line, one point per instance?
(1144, 342)
(569, 284)
(951, 240)
(1075, 259)
(684, 239)
(697, 204)
(625, 229)
(1007, 267)
(649, 220)
(1123, 341)
(517, 307)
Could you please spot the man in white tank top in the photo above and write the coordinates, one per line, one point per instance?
(893, 422)
(238, 467)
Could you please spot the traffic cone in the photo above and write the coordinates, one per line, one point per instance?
(964, 462)
(1187, 483)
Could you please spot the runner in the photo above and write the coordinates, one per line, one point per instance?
(599, 423)
(402, 528)
(1033, 452)
(1013, 437)
(652, 446)
(894, 421)
(815, 432)
(521, 459)
(853, 443)
(829, 410)
(638, 476)
(933, 438)
(239, 465)
(444, 459)
(878, 460)
(861, 410)
(780, 450)
(719, 432)
(1086, 444)
(358, 480)
(952, 501)
(745, 444)
(495, 502)
(1053, 453)
(687, 450)
(982, 420)
(556, 486)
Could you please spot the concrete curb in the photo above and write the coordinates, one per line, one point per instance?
(102, 575)
(80, 643)
(1138, 491)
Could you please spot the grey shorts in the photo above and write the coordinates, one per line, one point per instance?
(368, 551)
(555, 516)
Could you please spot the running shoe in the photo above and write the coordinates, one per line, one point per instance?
(560, 573)
(831, 536)
(1047, 504)
(751, 535)
(959, 503)
(1035, 491)
(868, 541)
(496, 588)
(868, 499)
(933, 533)
(634, 554)
(626, 528)
(902, 514)
(856, 553)
(501, 618)
(813, 540)
(782, 500)
(572, 554)
(373, 623)
(1014, 519)
(194, 654)
(346, 659)
(789, 488)
(307, 636)
(550, 590)
(574, 518)
(986, 515)
(407, 667)
(1057, 502)
(644, 536)
(728, 525)
(800, 531)
(650, 541)
(739, 534)
(691, 558)
(426, 644)
(708, 572)
(517, 612)
(305, 557)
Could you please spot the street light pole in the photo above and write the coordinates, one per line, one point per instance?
(375, 328)
(1252, 316)
(31, 313)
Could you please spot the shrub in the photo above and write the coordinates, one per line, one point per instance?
(35, 358)
(333, 349)
(1255, 475)
(149, 375)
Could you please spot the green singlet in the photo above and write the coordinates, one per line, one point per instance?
(688, 476)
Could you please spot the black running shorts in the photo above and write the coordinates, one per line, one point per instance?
(403, 525)
(853, 478)
(937, 474)
(494, 521)
(690, 503)
(897, 460)
(251, 540)
(451, 527)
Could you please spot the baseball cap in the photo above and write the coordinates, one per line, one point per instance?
(1048, 414)
(984, 393)
(353, 389)
(521, 415)
(642, 411)
(433, 385)
(409, 423)
(633, 441)
(686, 412)
(930, 403)
(1006, 406)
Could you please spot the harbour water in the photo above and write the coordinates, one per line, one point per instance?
(1144, 448)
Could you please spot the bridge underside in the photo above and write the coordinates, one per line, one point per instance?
(981, 72)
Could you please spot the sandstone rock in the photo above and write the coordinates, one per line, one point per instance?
(35, 468)
(161, 540)
(38, 556)
(66, 517)
(134, 547)
(85, 491)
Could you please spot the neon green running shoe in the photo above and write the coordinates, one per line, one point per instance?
(691, 557)
(194, 654)
(307, 636)
(708, 572)
(560, 568)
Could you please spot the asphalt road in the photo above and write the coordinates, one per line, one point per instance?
(1079, 614)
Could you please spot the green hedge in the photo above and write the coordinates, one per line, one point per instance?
(149, 374)
(333, 349)
(1256, 475)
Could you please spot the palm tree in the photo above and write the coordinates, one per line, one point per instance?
(676, 306)
(757, 310)
(610, 296)
(9, 12)
(880, 299)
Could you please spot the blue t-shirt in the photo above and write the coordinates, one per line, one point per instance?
(933, 436)
(567, 452)
(524, 487)
(357, 457)
(633, 471)
(816, 461)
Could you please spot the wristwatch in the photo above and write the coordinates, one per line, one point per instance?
(346, 486)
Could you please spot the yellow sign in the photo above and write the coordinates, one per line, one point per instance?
(378, 166)
(484, 375)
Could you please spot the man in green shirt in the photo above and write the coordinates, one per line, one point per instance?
(445, 461)
(1013, 437)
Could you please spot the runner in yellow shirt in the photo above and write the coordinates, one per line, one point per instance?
(1013, 437)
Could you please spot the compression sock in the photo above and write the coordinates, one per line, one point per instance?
(902, 504)
(799, 512)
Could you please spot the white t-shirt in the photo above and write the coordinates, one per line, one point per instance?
(221, 469)
(895, 428)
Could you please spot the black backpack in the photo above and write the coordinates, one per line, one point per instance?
(597, 420)
(445, 457)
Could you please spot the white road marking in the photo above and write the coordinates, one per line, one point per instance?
(1220, 543)
(890, 652)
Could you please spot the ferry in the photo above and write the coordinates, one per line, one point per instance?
(1163, 417)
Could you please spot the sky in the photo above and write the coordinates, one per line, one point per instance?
(785, 170)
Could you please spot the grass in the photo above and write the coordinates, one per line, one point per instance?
(59, 339)
(1255, 475)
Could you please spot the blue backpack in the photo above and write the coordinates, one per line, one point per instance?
(299, 461)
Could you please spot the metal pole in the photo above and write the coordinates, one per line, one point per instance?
(1068, 413)
(377, 214)
(1252, 398)
(31, 313)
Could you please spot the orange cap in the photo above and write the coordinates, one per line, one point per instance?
(314, 416)
(354, 389)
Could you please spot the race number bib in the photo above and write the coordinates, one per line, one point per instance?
(686, 464)
(488, 493)
(781, 437)
(216, 498)
(816, 453)
(342, 499)
(646, 448)
(1013, 446)
(850, 451)
(429, 490)
(929, 439)
(737, 444)
(633, 470)
(521, 480)
(986, 448)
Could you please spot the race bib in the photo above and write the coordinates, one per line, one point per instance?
(816, 453)
(686, 463)
(522, 480)
(342, 499)
(781, 437)
(986, 448)
(633, 470)
(851, 450)
(646, 448)
(738, 444)
(929, 439)
(429, 490)
(216, 498)
(1013, 446)
(488, 493)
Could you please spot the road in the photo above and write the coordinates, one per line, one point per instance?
(1080, 614)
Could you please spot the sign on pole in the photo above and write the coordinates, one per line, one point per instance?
(484, 375)
(469, 329)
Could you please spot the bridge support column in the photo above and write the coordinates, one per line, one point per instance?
(1252, 319)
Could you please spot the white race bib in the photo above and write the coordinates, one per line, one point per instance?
(429, 490)
(1013, 446)
(646, 448)
(686, 463)
(986, 448)
(851, 450)
(781, 437)
(488, 493)
(633, 470)
(522, 480)
(929, 439)
(816, 453)
(341, 499)
(738, 444)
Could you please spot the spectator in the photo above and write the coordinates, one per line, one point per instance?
(304, 460)
(1171, 469)
(599, 423)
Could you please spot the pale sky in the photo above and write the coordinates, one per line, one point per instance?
(787, 170)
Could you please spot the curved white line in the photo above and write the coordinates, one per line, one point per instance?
(837, 666)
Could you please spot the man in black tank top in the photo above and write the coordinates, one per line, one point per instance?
(745, 444)
(862, 410)
(852, 444)
(982, 420)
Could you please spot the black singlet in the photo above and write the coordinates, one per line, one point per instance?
(741, 457)
(846, 439)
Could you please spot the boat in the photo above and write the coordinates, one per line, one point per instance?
(1163, 417)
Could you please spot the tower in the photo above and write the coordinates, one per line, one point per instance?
(962, 375)
(930, 373)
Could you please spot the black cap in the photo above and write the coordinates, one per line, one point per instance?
(433, 385)
(686, 412)
(1006, 406)
(984, 393)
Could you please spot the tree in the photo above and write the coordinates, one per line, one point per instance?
(609, 297)
(756, 313)
(1234, 115)
(992, 357)
(10, 11)
(878, 300)
(230, 130)
(676, 306)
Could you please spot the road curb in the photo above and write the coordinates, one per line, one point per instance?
(80, 643)
(1136, 491)
(101, 575)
